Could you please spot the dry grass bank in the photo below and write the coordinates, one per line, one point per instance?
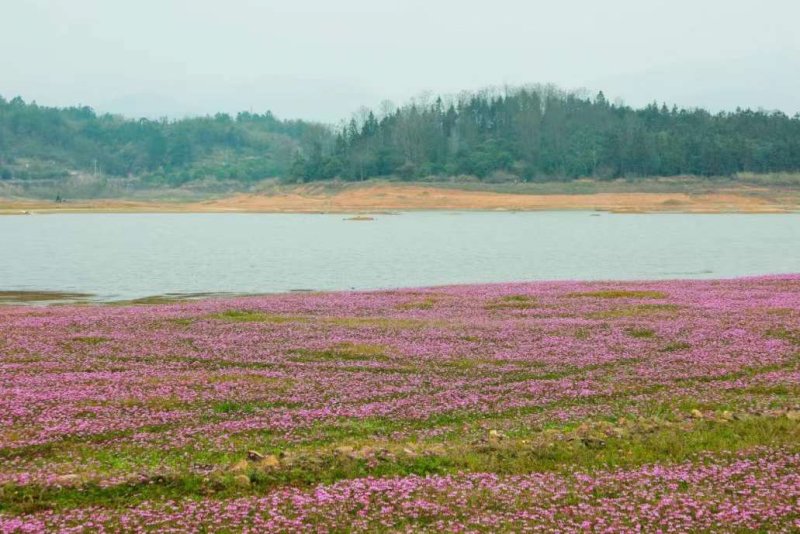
(381, 196)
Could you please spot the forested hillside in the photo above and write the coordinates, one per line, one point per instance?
(544, 133)
(40, 142)
(537, 133)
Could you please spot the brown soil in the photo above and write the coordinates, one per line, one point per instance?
(391, 197)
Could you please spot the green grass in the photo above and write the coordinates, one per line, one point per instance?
(90, 340)
(785, 334)
(674, 346)
(639, 310)
(620, 294)
(236, 407)
(663, 442)
(250, 316)
(662, 433)
(424, 304)
(512, 302)
(383, 323)
(344, 352)
(641, 333)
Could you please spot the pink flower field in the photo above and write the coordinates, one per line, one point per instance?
(565, 406)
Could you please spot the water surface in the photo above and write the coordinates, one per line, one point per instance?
(121, 256)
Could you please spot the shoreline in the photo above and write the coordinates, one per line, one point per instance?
(388, 198)
(50, 298)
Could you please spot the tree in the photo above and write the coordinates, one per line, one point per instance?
(537, 132)
(298, 171)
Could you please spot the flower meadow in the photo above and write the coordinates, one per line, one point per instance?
(561, 406)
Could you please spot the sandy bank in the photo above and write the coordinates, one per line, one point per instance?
(391, 197)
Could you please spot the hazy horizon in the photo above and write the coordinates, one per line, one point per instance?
(312, 60)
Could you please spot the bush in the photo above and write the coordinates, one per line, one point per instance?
(407, 170)
(465, 179)
(501, 177)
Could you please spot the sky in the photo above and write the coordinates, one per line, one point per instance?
(325, 59)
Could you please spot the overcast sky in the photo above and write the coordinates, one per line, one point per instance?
(323, 59)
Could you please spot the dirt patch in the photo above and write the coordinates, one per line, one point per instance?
(382, 198)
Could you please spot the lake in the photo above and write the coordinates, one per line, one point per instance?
(122, 256)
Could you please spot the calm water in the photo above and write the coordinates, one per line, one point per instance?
(126, 256)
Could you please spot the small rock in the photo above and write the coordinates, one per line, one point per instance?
(437, 449)
(67, 479)
(409, 452)
(254, 456)
(363, 453)
(385, 455)
(243, 481)
(617, 432)
(343, 450)
(593, 442)
(311, 460)
(496, 434)
(269, 461)
(203, 468)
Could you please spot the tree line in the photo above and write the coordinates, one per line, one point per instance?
(528, 134)
(39, 142)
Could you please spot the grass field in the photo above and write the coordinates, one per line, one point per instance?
(566, 406)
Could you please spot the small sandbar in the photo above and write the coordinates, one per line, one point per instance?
(41, 297)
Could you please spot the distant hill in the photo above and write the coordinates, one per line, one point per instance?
(525, 134)
(50, 143)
